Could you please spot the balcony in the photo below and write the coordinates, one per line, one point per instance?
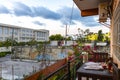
(73, 69)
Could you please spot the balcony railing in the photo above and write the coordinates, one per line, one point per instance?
(67, 71)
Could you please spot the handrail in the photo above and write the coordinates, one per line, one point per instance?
(68, 73)
(55, 71)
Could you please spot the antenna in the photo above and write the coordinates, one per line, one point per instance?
(71, 15)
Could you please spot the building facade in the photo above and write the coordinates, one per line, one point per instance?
(21, 34)
(115, 32)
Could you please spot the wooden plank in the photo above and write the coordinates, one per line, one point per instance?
(89, 12)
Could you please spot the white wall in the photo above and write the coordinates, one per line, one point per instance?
(4, 49)
(54, 43)
(68, 43)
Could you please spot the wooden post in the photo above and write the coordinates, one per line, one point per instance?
(69, 73)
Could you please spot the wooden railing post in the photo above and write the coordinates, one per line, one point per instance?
(69, 73)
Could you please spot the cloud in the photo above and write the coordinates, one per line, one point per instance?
(21, 9)
(89, 21)
(64, 14)
(3, 9)
(66, 21)
(68, 17)
(38, 23)
(46, 13)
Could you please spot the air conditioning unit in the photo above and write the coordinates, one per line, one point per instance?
(103, 12)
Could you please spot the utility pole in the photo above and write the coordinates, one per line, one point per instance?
(66, 35)
(66, 41)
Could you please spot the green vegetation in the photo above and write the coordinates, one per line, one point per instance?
(41, 76)
(2, 54)
(41, 48)
(83, 37)
(56, 37)
(1, 44)
(100, 35)
(32, 42)
(59, 37)
(10, 42)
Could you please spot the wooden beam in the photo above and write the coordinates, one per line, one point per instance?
(89, 12)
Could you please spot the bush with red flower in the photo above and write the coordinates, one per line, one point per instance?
(87, 49)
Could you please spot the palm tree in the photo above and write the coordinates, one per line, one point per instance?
(86, 32)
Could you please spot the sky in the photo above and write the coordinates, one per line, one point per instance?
(52, 15)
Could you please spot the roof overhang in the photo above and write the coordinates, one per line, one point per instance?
(89, 7)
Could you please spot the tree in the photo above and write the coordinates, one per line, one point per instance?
(100, 35)
(69, 38)
(1, 44)
(8, 43)
(86, 32)
(22, 43)
(81, 35)
(56, 37)
(32, 42)
(40, 48)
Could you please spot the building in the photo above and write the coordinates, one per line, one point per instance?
(106, 9)
(21, 34)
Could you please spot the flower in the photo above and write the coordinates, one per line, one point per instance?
(88, 49)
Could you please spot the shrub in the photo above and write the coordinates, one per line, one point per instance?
(3, 54)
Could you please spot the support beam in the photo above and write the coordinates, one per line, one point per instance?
(89, 12)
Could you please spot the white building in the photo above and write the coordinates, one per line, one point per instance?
(21, 34)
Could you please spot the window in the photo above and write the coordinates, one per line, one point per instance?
(10, 31)
(6, 31)
(15, 32)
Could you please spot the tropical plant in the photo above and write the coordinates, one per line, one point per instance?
(8, 43)
(100, 35)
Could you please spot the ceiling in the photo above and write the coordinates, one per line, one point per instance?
(89, 7)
